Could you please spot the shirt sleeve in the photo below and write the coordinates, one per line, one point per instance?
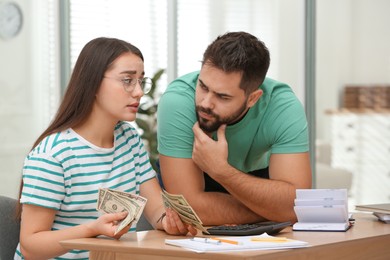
(176, 117)
(288, 125)
(43, 181)
(144, 170)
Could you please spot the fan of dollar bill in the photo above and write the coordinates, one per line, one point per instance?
(113, 201)
(180, 205)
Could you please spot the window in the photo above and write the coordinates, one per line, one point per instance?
(145, 24)
(167, 31)
(201, 21)
(45, 74)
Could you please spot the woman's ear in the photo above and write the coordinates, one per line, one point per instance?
(254, 97)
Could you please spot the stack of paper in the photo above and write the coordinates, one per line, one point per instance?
(321, 210)
(383, 217)
(236, 243)
(381, 211)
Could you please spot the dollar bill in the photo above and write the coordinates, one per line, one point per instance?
(100, 198)
(181, 210)
(113, 201)
(135, 199)
(179, 204)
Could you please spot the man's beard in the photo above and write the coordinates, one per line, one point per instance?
(210, 126)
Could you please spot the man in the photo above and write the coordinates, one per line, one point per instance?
(233, 142)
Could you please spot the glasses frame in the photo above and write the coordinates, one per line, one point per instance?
(146, 83)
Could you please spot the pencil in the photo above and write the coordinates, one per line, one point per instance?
(269, 239)
(226, 240)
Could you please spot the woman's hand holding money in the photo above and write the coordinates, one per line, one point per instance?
(107, 225)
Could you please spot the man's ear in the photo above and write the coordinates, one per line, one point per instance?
(254, 97)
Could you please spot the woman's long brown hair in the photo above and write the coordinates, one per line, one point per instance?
(94, 60)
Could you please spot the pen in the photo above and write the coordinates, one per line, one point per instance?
(226, 240)
(206, 240)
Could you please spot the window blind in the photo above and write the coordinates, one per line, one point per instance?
(145, 24)
(46, 67)
(201, 21)
(140, 22)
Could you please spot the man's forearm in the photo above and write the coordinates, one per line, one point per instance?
(216, 208)
(272, 199)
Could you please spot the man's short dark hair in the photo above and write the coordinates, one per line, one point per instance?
(240, 52)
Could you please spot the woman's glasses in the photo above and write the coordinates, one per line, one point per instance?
(130, 83)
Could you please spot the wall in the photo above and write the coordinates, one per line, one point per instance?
(291, 45)
(353, 39)
(25, 87)
(16, 105)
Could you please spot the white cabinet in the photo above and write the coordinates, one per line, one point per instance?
(361, 144)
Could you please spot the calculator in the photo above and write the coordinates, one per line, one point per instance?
(269, 227)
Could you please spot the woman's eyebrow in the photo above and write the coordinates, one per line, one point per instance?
(131, 72)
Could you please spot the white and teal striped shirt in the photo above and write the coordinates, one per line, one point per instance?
(65, 171)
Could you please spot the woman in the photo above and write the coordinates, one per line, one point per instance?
(89, 146)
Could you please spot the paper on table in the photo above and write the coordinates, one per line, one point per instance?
(318, 202)
(380, 208)
(244, 243)
(383, 217)
(315, 194)
(321, 214)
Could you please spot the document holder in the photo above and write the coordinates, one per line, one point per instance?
(321, 210)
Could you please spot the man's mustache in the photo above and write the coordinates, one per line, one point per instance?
(205, 110)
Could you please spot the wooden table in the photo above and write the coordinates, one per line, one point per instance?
(367, 239)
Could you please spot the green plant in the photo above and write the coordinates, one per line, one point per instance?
(147, 119)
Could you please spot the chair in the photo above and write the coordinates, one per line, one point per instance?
(9, 228)
(143, 224)
(332, 178)
(329, 177)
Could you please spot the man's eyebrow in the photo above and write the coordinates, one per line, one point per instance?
(201, 82)
(216, 93)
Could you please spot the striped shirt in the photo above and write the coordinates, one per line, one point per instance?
(65, 171)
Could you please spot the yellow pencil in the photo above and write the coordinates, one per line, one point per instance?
(269, 239)
(226, 241)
